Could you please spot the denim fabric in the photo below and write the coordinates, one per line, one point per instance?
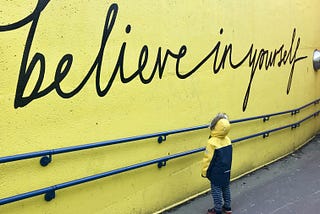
(221, 197)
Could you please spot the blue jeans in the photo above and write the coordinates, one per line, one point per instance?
(220, 195)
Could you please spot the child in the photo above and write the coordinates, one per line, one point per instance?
(217, 164)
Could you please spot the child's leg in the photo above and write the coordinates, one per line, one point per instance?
(226, 196)
(217, 197)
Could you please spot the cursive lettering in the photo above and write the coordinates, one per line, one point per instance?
(256, 59)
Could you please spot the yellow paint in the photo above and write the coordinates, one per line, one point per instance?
(134, 108)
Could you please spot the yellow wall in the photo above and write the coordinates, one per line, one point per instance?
(43, 109)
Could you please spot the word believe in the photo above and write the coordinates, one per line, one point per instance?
(256, 59)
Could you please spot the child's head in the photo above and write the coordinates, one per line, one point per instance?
(218, 117)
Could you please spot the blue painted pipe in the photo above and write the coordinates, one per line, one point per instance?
(136, 138)
(93, 177)
(52, 189)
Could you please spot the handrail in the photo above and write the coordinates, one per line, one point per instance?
(267, 132)
(50, 191)
(47, 154)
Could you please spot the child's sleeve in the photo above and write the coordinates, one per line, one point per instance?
(208, 154)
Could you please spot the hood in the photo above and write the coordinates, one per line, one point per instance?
(221, 129)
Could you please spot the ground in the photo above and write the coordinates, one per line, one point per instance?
(290, 185)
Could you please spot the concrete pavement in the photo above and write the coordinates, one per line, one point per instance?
(290, 185)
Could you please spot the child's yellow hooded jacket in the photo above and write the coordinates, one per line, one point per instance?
(218, 155)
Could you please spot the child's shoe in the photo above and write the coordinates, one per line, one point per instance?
(226, 210)
(213, 211)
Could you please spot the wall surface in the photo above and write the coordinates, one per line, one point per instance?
(77, 72)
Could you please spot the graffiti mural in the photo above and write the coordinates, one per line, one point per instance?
(221, 57)
(89, 72)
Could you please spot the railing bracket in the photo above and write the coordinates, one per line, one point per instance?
(162, 138)
(50, 195)
(294, 112)
(266, 118)
(161, 164)
(296, 125)
(265, 135)
(45, 160)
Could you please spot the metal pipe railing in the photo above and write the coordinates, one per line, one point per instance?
(266, 133)
(50, 191)
(47, 154)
